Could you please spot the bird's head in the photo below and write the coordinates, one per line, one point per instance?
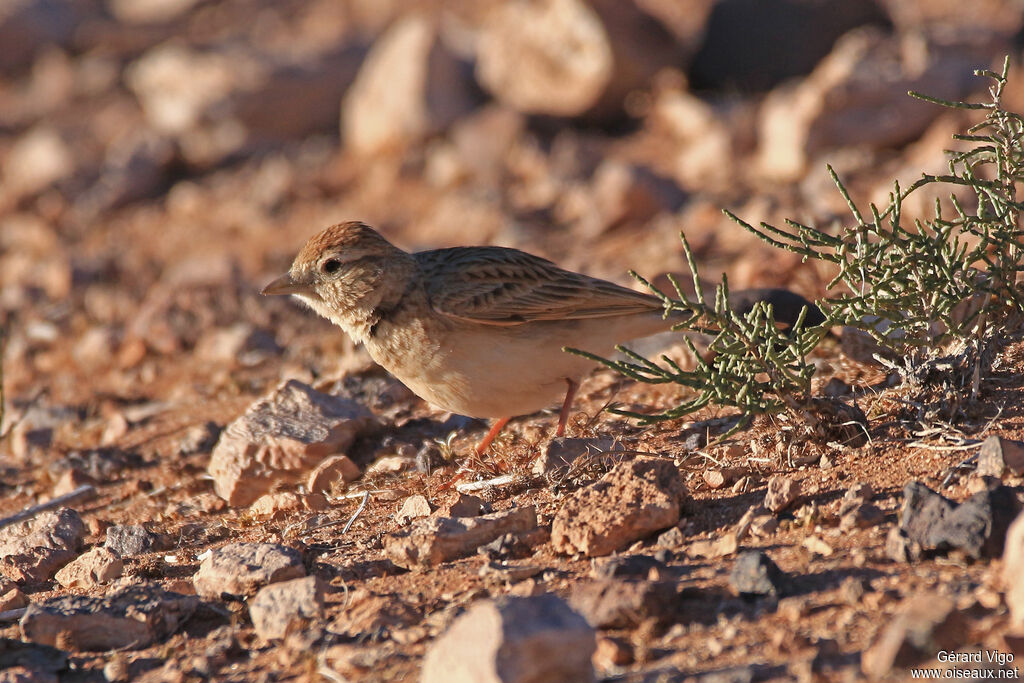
(345, 272)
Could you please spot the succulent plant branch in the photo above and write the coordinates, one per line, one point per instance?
(752, 366)
(917, 287)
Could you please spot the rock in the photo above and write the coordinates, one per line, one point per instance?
(977, 527)
(1013, 569)
(148, 11)
(673, 538)
(857, 96)
(33, 550)
(925, 625)
(513, 546)
(434, 540)
(410, 86)
(856, 511)
(219, 102)
(620, 194)
(390, 464)
(31, 656)
(132, 540)
(279, 505)
(283, 607)
(635, 499)
(513, 640)
(899, 547)
(709, 138)
(414, 507)
(724, 476)
(616, 48)
(923, 510)
(28, 26)
(371, 613)
(996, 22)
(11, 597)
(243, 568)
(614, 603)
(734, 55)
(199, 438)
(20, 674)
(131, 618)
(464, 505)
(998, 457)
(561, 452)
(611, 653)
(816, 545)
(332, 474)
(836, 388)
(95, 567)
(754, 574)
(69, 480)
(238, 344)
(782, 493)
(625, 566)
(280, 438)
(37, 160)
(763, 526)
(862, 516)
(508, 573)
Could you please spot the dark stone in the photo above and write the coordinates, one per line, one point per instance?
(755, 574)
(131, 540)
(786, 305)
(131, 618)
(753, 45)
(629, 566)
(612, 603)
(976, 527)
(922, 511)
(508, 547)
(32, 656)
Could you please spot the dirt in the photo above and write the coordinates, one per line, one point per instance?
(134, 332)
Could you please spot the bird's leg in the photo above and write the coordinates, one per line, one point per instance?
(563, 416)
(485, 443)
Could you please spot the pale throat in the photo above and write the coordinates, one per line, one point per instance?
(357, 328)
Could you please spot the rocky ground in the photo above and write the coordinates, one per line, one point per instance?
(238, 493)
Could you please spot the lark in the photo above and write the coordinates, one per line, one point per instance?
(478, 331)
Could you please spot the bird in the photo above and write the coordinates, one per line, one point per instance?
(478, 330)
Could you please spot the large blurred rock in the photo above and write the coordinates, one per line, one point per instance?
(281, 438)
(756, 44)
(33, 550)
(569, 58)
(618, 194)
(218, 102)
(37, 159)
(28, 25)
(148, 11)
(857, 96)
(513, 640)
(130, 618)
(635, 499)
(947, 18)
(411, 85)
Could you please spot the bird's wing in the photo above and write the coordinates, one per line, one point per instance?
(500, 286)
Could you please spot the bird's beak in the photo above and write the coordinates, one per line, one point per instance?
(286, 285)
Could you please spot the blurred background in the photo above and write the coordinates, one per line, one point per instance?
(161, 159)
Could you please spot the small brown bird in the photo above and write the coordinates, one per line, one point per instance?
(477, 331)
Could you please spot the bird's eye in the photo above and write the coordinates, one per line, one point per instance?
(331, 266)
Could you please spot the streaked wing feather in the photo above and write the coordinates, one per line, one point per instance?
(499, 286)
